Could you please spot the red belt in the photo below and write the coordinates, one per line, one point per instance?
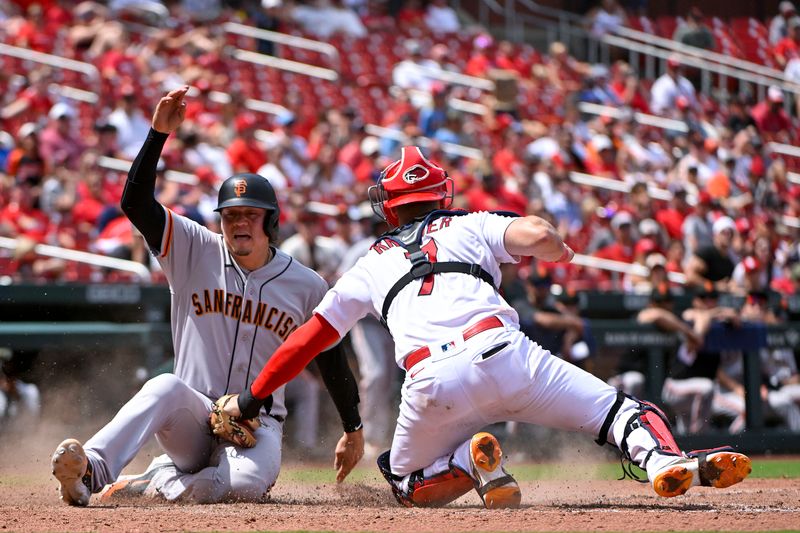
(479, 327)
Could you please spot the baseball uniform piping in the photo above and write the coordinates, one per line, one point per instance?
(255, 332)
(169, 234)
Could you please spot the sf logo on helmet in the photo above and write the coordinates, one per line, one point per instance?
(240, 187)
(415, 174)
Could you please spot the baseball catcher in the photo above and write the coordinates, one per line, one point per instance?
(433, 281)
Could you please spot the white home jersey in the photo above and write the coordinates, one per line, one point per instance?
(430, 309)
(227, 322)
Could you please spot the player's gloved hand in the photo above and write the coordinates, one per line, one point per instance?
(349, 451)
(226, 423)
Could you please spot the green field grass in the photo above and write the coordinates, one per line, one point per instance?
(292, 472)
(762, 468)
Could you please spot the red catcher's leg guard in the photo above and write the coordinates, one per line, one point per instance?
(434, 491)
(655, 421)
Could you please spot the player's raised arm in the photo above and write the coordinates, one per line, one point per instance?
(535, 237)
(138, 199)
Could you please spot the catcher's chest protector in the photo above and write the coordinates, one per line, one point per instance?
(410, 238)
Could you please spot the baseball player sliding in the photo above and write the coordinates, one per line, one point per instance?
(433, 281)
(235, 300)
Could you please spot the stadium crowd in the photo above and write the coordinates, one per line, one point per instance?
(730, 223)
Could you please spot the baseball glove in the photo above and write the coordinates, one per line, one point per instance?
(235, 430)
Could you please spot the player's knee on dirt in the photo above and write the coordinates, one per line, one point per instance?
(418, 490)
(639, 429)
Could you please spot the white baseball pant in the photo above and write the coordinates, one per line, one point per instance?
(448, 398)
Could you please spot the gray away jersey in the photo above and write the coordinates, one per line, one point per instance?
(227, 324)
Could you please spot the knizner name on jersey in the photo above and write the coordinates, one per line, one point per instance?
(433, 226)
(237, 308)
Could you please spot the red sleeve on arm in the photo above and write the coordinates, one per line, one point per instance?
(294, 354)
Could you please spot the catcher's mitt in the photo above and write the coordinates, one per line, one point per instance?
(236, 430)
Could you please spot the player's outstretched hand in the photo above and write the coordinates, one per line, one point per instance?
(170, 111)
(349, 451)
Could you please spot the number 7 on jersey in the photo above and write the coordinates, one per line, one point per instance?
(430, 250)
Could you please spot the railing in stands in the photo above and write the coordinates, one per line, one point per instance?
(641, 118)
(262, 106)
(457, 104)
(701, 63)
(455, 78)
(707, 55)
(522, 16)
(286, 64)
(123, 165)
(74, 93)
(633, 269)
(133, 267)
(616, 185)
(87, 69)
(286, 39)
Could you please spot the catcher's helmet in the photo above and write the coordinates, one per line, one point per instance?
(411, 179)
(251, 190)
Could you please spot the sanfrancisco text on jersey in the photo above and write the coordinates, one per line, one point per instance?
(234, 306)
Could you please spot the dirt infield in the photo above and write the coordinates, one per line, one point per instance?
(30, 503)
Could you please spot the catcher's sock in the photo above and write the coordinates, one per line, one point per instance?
(71, 469)
(719, 468)
(495, 486)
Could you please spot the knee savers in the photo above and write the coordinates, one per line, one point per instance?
(417, 490)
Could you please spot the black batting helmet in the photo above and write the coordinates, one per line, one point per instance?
(251, 190)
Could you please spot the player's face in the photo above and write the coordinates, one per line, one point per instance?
(243, 230)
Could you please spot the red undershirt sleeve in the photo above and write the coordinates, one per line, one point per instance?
(293, 355)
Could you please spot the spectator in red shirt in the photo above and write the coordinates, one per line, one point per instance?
(245, 152)
(32, 102)
(793, 201)
(367, 168)
(770, 117)
(20, 218)
(623, 247)
(788, 48)
(507, 59)
(377, 18)
(33, 33)
(411, 15)
(202, 104)
(507, 161)
(480, 61)
(671, 218)
(675, 256)
(61, 144)
(90, 200)
(493, 196)
(601, 157)
(625, 84)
